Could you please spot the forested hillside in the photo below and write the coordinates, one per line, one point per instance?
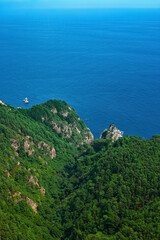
(56, 182)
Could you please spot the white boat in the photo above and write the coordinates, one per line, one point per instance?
(26, 100)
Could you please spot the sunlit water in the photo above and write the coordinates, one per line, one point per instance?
(104, 63)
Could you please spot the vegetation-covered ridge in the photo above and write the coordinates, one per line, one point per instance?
(54, 185)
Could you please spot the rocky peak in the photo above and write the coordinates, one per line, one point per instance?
(111, 132)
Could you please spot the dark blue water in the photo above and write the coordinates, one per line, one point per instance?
(104, 63)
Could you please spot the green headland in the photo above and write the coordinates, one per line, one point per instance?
(57, 182)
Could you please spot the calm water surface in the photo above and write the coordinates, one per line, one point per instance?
(104, 63)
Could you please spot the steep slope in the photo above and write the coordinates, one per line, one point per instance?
(34, 161)
(116, 191)
(53, 185)
(62, 120)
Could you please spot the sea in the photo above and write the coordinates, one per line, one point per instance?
(105, 63)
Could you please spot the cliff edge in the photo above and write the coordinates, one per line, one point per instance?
(112, 132)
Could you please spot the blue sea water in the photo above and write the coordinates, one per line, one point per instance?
(104, 63)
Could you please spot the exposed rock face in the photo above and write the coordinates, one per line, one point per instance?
(65, 129)
(15, 145)
(50, 150)
(17, 194)
(33, 180)
(32, 204)
(56, 127)
(77, 129)
(18, 198)
(42, 190)
(65, 114)
(63, 121)
(52, 153)
(2, 103)
(27, 148)
(89, 139)
(112, 132)
(39, 145)
(54, 110)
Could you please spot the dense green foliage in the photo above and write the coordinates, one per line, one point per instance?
(105, 190)
(63, 120)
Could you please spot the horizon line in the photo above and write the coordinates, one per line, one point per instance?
(50, 8)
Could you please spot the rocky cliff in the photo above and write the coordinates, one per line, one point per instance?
(62, 120)
(112, 132)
